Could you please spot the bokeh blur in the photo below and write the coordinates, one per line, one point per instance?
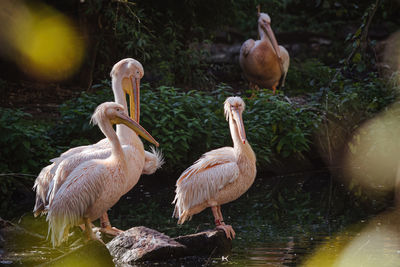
(42, 41)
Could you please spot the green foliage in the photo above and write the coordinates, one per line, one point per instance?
(355, 100)
(187, 124)
(307, 76)
(24, 142)
(25, 149)
(74, 128)
(277, 127)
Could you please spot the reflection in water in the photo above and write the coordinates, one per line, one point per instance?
(272, 254)
(374, 244)
(284, 251)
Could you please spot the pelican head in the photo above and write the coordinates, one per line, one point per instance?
(264, 22)
(264, 18)
(234, 107)
(115, 114)
(129, 71)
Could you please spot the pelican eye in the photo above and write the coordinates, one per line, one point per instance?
(118, 109)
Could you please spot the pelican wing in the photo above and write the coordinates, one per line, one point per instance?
(44, 182)
(246, 47)
(285, 63)
(66, 166)
(202, 181)
(79, 192)
(102, 144)
(41, 187)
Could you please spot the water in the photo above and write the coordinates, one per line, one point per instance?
(375, 242)
(273, 253)
(275, 226)
(283, 251)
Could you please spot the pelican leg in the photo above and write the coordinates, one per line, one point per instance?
(90, 235)
(106, 226)
(223, 223)
(220, 214)
(82, 226)
(254, 87)
(273, 89)
(219, 222)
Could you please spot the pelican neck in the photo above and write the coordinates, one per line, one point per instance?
(123, 132)
(108, 131)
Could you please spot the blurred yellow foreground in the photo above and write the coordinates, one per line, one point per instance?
(43, 42)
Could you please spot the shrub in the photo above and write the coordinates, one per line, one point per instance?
(25, 149)
(25, 143)
(307, 76)
(74, 128)
(188, 124)
(277, 127)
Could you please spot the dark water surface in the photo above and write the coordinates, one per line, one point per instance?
(282, 251)
(375, 242)
(285, 225)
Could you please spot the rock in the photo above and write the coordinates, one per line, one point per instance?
(143, 244)
(93, 253)
(208, 243)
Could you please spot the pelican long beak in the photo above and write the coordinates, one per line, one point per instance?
(124, 119)
(240, 125)
(134, 99)
(270, 33)
(131, 86)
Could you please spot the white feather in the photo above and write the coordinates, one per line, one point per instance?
(153, 161)
(202, 181)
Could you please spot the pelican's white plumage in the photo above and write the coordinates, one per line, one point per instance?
(219, 176)
(202, 181)
(96, 185)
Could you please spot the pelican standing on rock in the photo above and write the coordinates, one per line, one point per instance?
(263, 62)
(126, 75)
(219, 176)
(96, 185)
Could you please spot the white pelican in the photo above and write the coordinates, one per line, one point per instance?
(96, 185)
(219, 176)
(263, 62)
(126, 75)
